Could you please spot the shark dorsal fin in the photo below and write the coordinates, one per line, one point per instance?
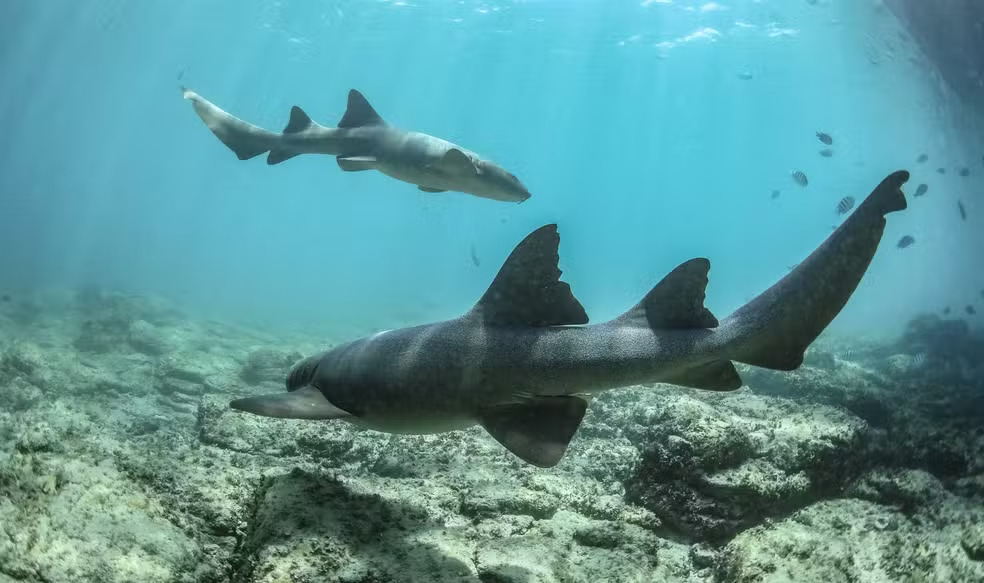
(299, 121)
(527, 290)
(359, 113)
(677, 302)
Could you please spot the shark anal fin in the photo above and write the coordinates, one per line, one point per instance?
(305, 403)
(537, 431)
(719, 375)
(356, 163)
(429, 189)
(277, 156)
(299, 121)
(527, 291)
(457, 163)
(676, 302)
(359, 113)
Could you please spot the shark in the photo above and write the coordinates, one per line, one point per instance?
(364, 141)
(524, 364)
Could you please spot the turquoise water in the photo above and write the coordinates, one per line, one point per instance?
(635, 126)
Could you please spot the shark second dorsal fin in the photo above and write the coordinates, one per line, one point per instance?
(299, 121)
(677, 302)
(527, 291)
(359, 113)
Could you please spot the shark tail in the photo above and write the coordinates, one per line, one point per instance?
(774, 329)
(244, 139)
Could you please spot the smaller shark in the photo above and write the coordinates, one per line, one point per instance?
(363, 141)
(523, 365)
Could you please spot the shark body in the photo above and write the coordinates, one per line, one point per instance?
(523, 364)
(364, 141)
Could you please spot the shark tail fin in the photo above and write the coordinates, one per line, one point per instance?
(244, 139)
(775, 328)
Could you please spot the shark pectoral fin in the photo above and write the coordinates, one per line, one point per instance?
(527, 291)
(719, 375)
(429, 189)
(356, 163)
(676, 302)
(457, 163)
(537, 431)
(359, 113)
(305, 403)
(278, 156)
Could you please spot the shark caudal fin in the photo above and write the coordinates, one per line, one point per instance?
(774, 329)
(244, 139)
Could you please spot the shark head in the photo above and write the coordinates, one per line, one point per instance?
(498, 183)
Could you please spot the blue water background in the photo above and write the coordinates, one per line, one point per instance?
(630, 122)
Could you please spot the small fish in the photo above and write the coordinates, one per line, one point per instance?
(775, 194)
(965, 172)
(745, 76)
(825, 138)
(906, 241)
(921, 190)
(963, 211)
(474, 257)
(845, 205)
(922, 159)
(941, 170)
(970, 310)
(946, 311)
(4, 298)
(826, 152)
(800, 178)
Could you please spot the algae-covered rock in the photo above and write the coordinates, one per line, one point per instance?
(150, 339)
(268, 365)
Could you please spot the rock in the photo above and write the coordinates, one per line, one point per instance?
(495, 501)
(268, 365)
(149, 339)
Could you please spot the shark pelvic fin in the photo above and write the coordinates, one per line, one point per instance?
(537, 431)
(306, 403)
(527, 290)
(429, 189)
(719, 375)
(359, 113)
(676, 302)
(299, 121)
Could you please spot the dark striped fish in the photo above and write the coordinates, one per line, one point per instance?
(845, 205)
(922, 158)
(963, 211)
(825, 138)
(970, 310)
(941, 170)
(906, 241)
(826, 152)
(921, 190)
(965, 172)
(800, 178)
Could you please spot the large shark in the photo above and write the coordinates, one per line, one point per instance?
(523, 365)
(363, 141)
